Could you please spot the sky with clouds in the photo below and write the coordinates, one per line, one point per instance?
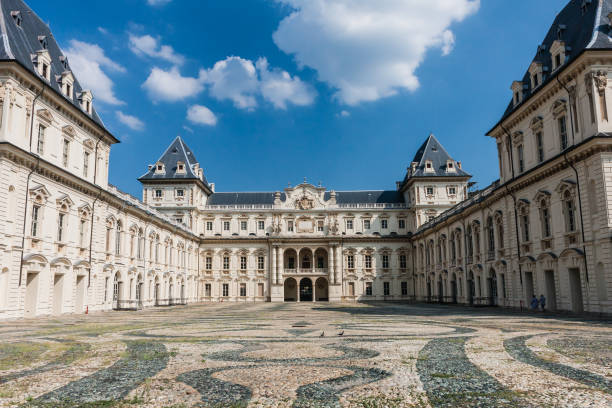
(267, 92)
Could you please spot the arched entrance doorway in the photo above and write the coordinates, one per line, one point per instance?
(321, 290)
(290, 290)
(440, 290)
(156, 292)
(306, 290)
(116, 291)
(493, 287)
(79, 303)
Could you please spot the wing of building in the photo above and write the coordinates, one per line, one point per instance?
(72, 242)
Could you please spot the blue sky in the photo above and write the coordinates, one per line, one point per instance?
(342, 92)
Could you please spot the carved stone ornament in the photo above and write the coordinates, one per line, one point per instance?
(304, 203)
(601, 81)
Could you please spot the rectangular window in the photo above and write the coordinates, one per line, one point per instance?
(525, 221)
(68, 91)
(349, 224)
(545, 222)
(65, 152)
(521, 158)
(386, 288)
(41, 139)
(61, 220)
(243, 290)
(35, 215)
(209, 226)
(350, 261)
(402, 223)
(180, 193)
(226, 225)
(402, 261)
(261, 225)
(260, 263)
(385, 261)
(368, 287)
(226, 263)
(85, 164)
(452, 191)
(404, 288)
(384, 224)
(105, 289)
(208, 263)
(260, 289)
(225, 289)
(208, 290)
(289, 226)
(366, 224)
(243, 225)
(243, 263)
(562, 122)
(159, 193)
(320, 226)
(429, 191)
(540, 145)
(368, 261)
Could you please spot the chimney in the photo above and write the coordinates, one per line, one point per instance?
(150, 166)
(212, 187)
(459, 164)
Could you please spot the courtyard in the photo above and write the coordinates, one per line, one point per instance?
(306, 355)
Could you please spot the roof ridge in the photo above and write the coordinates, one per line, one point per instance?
(595, 25)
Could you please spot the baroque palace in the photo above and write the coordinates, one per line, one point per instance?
(72, 242)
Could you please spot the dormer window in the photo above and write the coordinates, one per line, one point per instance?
(86, 97)
(17, 17)
(429, 166)
(180, 167)
(535, 71)
(559, 51)
(160, 168)
(43, 41)
(67, 81)
(517, 91)
(450, 166)
(42, 61)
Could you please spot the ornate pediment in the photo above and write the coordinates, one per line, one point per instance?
(45, 114)
(304, 197)
(304, 203)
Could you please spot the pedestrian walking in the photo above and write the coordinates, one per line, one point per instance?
(534, 303)
(542, 302)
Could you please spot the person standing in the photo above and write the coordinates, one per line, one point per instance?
(542, 302)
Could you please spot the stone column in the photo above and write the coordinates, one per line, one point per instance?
(334, 267)
(278, 265)
(338, 264)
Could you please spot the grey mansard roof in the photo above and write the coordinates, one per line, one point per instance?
(19, 43)
(582, 25)
(178, 151)
(342, 197)
(432, 150)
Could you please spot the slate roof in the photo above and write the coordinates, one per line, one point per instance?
(177, 151)
(342, 197)
(18, 43)
(582, 25)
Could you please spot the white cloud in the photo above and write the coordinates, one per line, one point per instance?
(89, 63)
(234, 78)
(344, 114)
(242, 81)
(279, 88)
(150, 46)
(130, 121)
(171, 86)
(188, 129)
(158, 2)
(368, 50)
(201, 115)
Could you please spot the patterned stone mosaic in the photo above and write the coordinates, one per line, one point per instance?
(306, 355)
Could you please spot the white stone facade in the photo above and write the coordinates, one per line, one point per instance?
(73, 243)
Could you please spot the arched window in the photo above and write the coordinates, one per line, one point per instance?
(491, 238)
(545, 219)
(140, 248)
(469, 243)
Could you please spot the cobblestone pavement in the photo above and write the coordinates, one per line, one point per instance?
(306, 355)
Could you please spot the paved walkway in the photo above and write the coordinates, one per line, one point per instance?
(306, 355)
